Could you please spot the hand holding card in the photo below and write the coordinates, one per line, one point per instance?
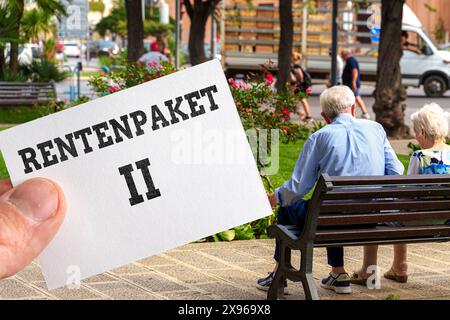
(144, 170)
(30, 216)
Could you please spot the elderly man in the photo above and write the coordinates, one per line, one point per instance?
(345, 147)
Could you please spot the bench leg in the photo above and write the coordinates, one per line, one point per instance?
(276, 288)
(309, 285)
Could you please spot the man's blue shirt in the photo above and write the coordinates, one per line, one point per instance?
(346, 147)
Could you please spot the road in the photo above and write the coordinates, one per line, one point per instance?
(63, 87)
(416, 99)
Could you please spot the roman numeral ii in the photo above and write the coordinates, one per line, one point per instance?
(142, 165)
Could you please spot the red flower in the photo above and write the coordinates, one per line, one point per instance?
(269, 79)
(113, 89)
(284, 129)
(308, 90)
(283, 119)
(244, 86)
(285, 111)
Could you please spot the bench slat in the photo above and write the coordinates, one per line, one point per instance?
(24, 84)
(381, 241)
(385, 205)
(389, 180)
(24, 102)
(366, 193)
(348, 219)
(382, 233)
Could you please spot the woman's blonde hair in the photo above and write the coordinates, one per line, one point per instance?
(433, 120)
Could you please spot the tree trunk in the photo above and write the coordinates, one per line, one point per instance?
(14, 52)
(285, 46)
(2, 60)
(135, 28)
(390, 95)
(200, 13)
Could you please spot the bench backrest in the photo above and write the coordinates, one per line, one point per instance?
(347, 209)
(24, 93)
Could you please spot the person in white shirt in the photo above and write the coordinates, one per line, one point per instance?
(339, 69)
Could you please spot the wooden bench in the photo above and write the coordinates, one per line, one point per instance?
(351, 211)
(26, 93)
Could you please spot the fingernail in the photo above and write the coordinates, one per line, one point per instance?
(36, 199)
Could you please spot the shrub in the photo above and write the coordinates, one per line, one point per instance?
(7, 75)
(43, 70)
(128, 75)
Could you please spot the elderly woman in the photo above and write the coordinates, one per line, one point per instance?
(431, 128)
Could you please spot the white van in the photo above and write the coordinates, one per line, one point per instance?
(431, 68)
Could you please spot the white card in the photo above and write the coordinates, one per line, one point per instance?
(203, 177)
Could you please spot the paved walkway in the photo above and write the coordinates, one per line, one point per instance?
(228, 270)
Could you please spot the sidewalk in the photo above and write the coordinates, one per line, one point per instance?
(228, 270)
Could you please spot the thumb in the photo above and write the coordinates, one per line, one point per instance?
(30, 216)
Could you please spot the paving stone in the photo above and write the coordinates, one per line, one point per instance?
(123, 291)
(188, 295)
(256, 251)
(228, 292)
(13, 289)
(184, 274)
(238, 277)
(230, 255)
(70, 294)
(424, 289)
(195, 259)
(129, 269)
(100, 278)
(155, 283)
(443, 281)
(31, 273)
(156, 261)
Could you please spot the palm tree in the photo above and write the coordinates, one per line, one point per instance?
(7, 34)
(16, 9)
(34, 23)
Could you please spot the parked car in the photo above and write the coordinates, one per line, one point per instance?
(93, 48)
(108, 48)
(27, 53)
(72, 49)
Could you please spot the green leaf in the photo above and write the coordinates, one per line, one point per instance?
(244, 232)
(227, 235)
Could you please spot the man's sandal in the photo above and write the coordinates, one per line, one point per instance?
(357, 279)
(391, 275)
